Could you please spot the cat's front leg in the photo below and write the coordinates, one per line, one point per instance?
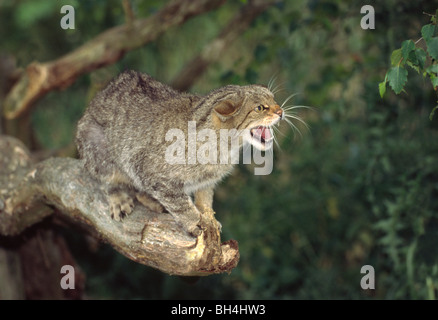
(204, 199)
(179, 205)
(204, 203)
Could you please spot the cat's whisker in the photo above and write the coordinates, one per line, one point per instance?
(295, 117)
(289, 116)
(278, 89)
(293, 127)
(274, 131)
(271, 83)
(288, 98)
(273, 87)
(277, 130)
(292, 107)
(274, 134)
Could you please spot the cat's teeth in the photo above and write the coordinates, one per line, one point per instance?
(261, 133)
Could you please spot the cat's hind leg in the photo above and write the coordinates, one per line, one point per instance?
(96, 153)
(149, 202)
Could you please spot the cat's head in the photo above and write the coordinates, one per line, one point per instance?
(251, 110)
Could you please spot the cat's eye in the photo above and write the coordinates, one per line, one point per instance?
(260, 108)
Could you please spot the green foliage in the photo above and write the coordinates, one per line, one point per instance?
(400, 191)
(416, 58)
(30, 12)
(397, 77)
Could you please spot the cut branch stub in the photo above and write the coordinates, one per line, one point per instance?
(150, 238)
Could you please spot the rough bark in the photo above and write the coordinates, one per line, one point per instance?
(110, 46)
(29, 191)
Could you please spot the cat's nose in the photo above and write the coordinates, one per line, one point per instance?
(279, 112)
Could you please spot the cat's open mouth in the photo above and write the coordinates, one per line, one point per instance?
(263, 136)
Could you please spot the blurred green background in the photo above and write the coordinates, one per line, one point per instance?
(360, 187)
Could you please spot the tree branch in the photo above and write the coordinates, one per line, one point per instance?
(28, 191)
(214, 50)
(129, 14)
(107, 48)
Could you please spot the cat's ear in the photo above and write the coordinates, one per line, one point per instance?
(226, 109)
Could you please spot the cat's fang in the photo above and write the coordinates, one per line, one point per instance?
(261, 133)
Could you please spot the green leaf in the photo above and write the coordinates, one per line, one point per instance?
(413, 61)
(396, 57)
(413, 66)
(434, 80)
(421, 57)
(417, 59)
(397, 77)
(428, 31)
(382, 88)
(407, 47)
(432, 47)
(432, 69)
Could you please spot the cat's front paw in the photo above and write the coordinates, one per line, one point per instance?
(121, 204)
(191, 223)
(194, 230)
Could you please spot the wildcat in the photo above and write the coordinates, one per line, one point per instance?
(121, 139)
